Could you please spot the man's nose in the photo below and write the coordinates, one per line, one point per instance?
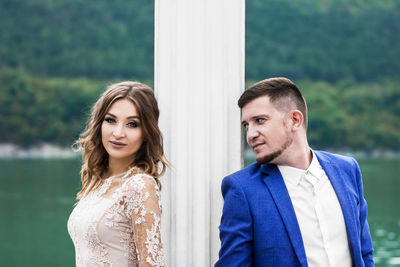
(252, 132)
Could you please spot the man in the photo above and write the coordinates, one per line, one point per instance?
(294, 206)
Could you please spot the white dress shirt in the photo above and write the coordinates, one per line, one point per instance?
(319, 215)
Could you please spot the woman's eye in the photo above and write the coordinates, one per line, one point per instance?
(133, 124)
(109, 120)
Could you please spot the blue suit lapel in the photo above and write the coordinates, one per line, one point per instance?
(337, 177)
(276, 186)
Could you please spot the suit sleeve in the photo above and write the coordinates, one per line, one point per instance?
(365, 237)
(236, 232)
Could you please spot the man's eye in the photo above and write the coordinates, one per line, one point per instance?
(245, 126)
(260, 120)
(133, 124)
(109, 120)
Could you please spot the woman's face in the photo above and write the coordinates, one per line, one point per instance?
(121, 132)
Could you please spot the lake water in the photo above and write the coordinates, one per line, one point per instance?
(37, 196)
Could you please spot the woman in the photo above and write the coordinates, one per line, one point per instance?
(117, 219)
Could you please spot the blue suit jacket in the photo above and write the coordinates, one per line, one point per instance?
(259, 225)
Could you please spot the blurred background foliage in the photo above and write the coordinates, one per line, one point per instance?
(326, 40)
(57, 56)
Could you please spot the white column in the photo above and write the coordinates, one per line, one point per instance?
(199, 76)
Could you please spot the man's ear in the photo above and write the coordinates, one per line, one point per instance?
(296, 119)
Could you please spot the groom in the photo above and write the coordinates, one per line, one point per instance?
(295, 206)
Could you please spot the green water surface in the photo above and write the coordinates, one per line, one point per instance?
(37, 196)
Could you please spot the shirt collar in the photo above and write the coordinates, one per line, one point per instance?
(315, 169)
(293, 175)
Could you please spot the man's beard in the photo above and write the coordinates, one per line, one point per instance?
(271, 156)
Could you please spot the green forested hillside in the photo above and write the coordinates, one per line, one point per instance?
(78, 38)
(38, 109)
(56, 57)
(353, 115)
(323, 40)
(319, 39)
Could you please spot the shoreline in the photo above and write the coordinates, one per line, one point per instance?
(43, 151)
(50, 151)
(375, 154)
(384, 154)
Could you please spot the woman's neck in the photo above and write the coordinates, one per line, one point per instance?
(116, 167)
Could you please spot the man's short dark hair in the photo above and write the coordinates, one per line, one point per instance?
(282, 92)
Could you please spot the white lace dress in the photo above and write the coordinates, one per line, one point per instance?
(118, 224)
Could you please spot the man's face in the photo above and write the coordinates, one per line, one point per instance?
(267, 131)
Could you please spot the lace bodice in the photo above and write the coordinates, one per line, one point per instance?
(118, 224)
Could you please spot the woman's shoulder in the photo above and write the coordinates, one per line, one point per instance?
(138, 181)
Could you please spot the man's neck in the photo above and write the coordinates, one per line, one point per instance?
(297, 156)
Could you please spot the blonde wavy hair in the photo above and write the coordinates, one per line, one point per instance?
(150, 156)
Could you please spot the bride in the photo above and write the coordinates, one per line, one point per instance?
(117, 219)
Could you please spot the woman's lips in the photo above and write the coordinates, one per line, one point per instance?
(117, 144)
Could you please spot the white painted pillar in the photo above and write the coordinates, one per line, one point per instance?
(199, 76)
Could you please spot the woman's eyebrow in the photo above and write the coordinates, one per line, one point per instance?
(133, 117)
(130, 117)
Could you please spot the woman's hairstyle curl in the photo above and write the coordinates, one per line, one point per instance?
(150, 156)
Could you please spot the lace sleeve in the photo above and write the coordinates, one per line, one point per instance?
(143, 207)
